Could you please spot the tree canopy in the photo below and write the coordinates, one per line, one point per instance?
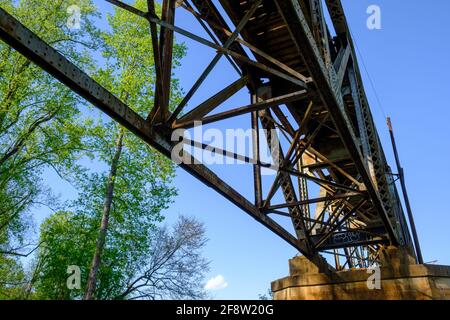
(113, 229)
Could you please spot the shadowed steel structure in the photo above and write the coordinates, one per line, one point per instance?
(304, 80)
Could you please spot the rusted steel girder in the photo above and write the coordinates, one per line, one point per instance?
(36, 50)
(326, 124)
(300, 31)
(372, 145)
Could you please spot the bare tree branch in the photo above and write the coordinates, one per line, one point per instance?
(176, 268)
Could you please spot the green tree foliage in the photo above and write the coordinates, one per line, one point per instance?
(111, 228)
(40, 125)
(163, 263)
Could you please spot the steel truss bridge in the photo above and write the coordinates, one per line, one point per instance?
(304, 79)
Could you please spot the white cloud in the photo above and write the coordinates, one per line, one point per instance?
(216, 283)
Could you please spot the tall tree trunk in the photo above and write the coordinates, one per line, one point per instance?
(105, 218)
(33, 279)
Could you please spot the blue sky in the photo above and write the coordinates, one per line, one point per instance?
(408, 62)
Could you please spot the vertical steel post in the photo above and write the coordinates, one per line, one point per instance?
(256, 156)
(405, 195)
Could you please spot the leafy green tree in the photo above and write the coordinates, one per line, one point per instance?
(164, 263)
(40, 124)
(12, 278)
(117, 209)
(137, 185)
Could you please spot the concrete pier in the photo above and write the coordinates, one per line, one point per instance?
(400, 279)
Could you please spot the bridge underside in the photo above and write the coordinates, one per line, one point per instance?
(304, 80)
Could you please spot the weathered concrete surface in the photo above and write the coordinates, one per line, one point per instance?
(401, 279)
